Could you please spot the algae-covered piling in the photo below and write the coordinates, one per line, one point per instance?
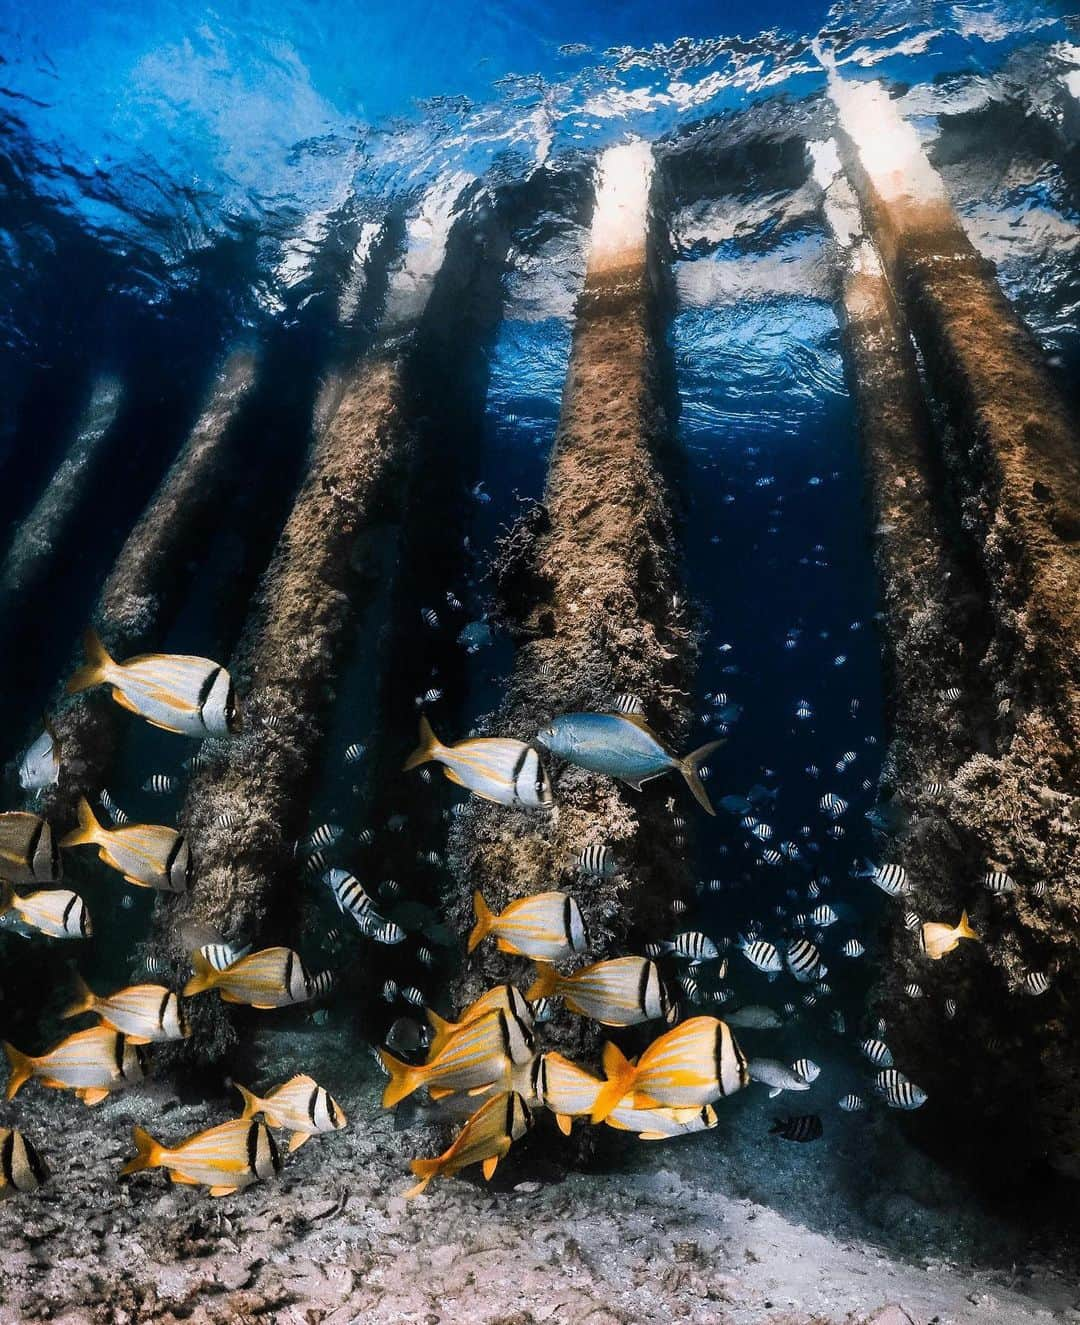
(591, 590)
(1010, 804)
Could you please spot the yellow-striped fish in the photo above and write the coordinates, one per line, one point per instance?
(689, 1066)
(501, 996)
(21, 1167)
(91, 1063)
(301, 1105)
(484, 1140)
(545, 926)
(480, 1055)
(224, 1158)
(148, 855)
(566, 1089)
(660, 1124)
(938, 939)
(623, 992)
(56, 912)
(190, 696)
(270, 978)
(146, 1014)
(494, 768)
(28, 851)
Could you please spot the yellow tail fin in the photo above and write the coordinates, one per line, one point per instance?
(205, 976)
(148, 1154)
(428, 748)
(22, 1069)
(620, 1078)
(442, 1030)
(689, 770)
(544, 982)
(97, 665)
(252, 1103)
(84, 999)
(425, 1170)
(963, 929)
(89, 830)
(403, 1079)
(485, 920)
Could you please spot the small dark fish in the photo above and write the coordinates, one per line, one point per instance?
(805, 1127)
(160, 784)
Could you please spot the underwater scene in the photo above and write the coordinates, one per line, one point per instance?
(540, 608)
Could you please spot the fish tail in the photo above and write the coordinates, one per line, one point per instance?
(252, 1103)
(440, 1029)
(963, 929)
(148, 1153)
(97, 665)
(688, 766)
(89, 830)
(403, 1079)
(620, 1078)
(205, 976)
(485, 920)
(543, 985)
(83, 1002)
(428, 748)
(22, 1069)
(425, 1170)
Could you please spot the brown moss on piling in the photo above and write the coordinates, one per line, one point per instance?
(594, 594)
(1012, 800)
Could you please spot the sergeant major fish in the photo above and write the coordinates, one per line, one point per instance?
(223, 1158)
(497, 769)
(147, 855)
(623, 746)
(186, 695)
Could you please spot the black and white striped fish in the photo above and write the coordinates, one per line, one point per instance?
(389, 890)
(762, 832)
(833, 805)
(387, 933)
(803, 959)
(898, 1091)
(1036, 983)
(809, 999)
(161, 784)
(692, 946)
(952, 694)
(771, 857)
(320, 985)
(950, 1008)
(877, 1052)
(115, 813)
(805, 1127)
(430, 696)
(354, 753)
(823, 916)
(628, 704)
(933, 789)
(322, 837)
(228, 819)
(352, 898)
(429, 617)
(913, 921)
(853, 1104)
(197, 762)
(998, 882)
(390, 991)
(316, 864)
(913, 990)
(413, 995)
(835, 832)
(762, 954)
(599, 861)
(890, 878)
(804, 710)
(807, 1069)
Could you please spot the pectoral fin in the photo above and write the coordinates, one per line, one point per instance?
(297, 1140)
(489, 1166)
(565, 1123)
(93, 1095)
(222, 1191)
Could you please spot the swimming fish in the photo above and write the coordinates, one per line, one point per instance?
(776, 1075)
(806, 1068)
(754, 1018)
(938, 939)
(320, 838)
(91, 1063)
(495, 768)
(806, 1127)
(853, 949)
(852, 1104)
(568, 1090)
(803, 959)
(484, 1140)
(21, 1167)
(481, 1054)
(301, 1106)
(161, 784)
(898, 1091)
(1036, 983)
(39, 767)
(599, 861)
(662, 1123)
(690, 1065)
(189, 696)
(145, 1014)
(270, 978)
(353, 899)
(504, 997)
(623, 746)
(28, 852)
(999, 882)
(115, 813)
(147, 855)
(625, 991)
(760, 953)
(55, 912)
(833, 806)
(545, 926)
(878, 1052)
(224, 1158)
(692, 946)
(891, 879)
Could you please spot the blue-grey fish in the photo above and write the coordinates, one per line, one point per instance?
(776, 1075)
(623, 746)
(39, 767)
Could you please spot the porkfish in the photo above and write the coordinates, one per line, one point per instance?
(484, 1140)
(545, 926)
(501, 996)
(224, 1158)
(567, 1090)
(55, 912)
(21, 1167)
(938, 939)
(661, 1124)
(623, 992)
(495, 768)
(270, 978)
(623, 746)
(28, 851)
(480, 1055)
(145, 1014)
(687, 1067)
(147, 855)
(301, 1106)
(186, 695)
(91, 1063)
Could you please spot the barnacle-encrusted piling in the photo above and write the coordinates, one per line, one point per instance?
(1011, 802)
(591, 589)
(147, 581)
